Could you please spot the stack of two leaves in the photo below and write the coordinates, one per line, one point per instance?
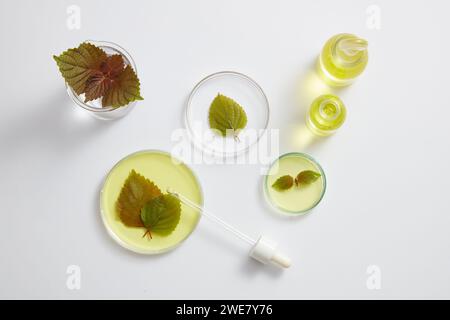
(141, 204)
(89, 70)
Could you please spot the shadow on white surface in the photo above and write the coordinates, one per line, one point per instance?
(251, 268)
(54, 126)
(225, 245)
(308, 87)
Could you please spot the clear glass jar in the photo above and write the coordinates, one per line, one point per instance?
(95, 107)
(326, 114)
(343, 58)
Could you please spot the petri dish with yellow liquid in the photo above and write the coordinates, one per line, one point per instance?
(296, 200)
(166, 172)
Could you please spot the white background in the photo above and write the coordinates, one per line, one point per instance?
(387, 202)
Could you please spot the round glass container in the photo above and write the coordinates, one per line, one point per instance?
(95, 107)
(246, 92)
(297, 200)
(343, 58)
(166, 172)
(326, 114)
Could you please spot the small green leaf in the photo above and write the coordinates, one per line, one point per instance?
(161, 215)
(306, 177)
(283, 183)
(226, 115)
(135, 193)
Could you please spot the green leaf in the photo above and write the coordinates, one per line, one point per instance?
(161, 215)
(306, 177)
(135, 193)
(125, 89)
(77, 65)
(226, 115)
(283, 183)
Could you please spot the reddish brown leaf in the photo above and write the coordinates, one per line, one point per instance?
(112, 66)
(124, 89)
(78, 64)
(101, 81)
(136, 192)
(96, 86)
(88, 69)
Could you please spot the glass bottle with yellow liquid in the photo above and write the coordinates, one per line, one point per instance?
(343, 58)
(326, 114)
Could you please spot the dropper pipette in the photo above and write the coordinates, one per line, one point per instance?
(264, 250)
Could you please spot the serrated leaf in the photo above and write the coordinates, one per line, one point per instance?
(112, 66)
(88, 69)
(135, 193)
(123, 90)
(96, 86)
(101, 81)
(306, 177)
(283, 183)
(77, 65)
(226, 115)
(161, 215)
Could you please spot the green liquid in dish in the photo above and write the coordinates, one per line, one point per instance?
(166, 172)
(296, 200)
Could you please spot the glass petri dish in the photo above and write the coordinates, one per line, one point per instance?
(296, 200)
(165, 171)
(244, 91)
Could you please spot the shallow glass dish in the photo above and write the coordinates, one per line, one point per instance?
(296, 200)
(95, 107)
(166, 172)
(244, 91)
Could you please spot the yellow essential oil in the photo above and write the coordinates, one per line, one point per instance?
(326, 114)
(296, 200)
(343, 58)
(166, 172)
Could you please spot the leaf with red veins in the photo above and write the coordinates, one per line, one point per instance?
(112, 66)
(89, 70)
(78, 64)
(125, 89)
(96, 86)
(101, 81)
